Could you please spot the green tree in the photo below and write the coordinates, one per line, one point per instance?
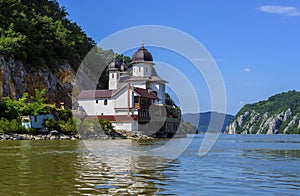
(69, 126)
(39, 33)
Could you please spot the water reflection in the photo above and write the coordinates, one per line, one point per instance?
(237, 164)
(109, 170)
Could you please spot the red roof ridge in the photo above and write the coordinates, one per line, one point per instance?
(88, 94)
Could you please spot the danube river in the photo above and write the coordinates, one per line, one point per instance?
(237, 164)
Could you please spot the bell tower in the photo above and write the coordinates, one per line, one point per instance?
(114, 74)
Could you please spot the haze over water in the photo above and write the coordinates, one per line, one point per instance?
(237, 164)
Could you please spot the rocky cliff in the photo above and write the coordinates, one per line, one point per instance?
(277, 115)
(15, 79)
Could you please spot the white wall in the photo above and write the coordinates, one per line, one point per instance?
(116, 106)
(142, 70)
(92, 108)
(113, 80)
(122, 102)
(160, 89)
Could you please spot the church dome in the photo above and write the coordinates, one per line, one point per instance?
(123, 67)
(142, 55)
(114, 65)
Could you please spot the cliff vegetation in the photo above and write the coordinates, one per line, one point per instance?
(279, 114)
(40, 48)
(40, 52)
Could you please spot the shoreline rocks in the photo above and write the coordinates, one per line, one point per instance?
(38, 137)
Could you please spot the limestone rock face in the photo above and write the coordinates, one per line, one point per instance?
(252, 122)
(15, 79)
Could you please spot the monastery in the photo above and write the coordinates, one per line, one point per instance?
(135, 100)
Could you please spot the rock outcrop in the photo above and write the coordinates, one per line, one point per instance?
(279, 114)
(252, 122)
(15, 79)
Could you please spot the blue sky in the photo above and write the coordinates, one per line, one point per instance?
(255, 43)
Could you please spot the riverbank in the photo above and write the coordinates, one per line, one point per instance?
(120, 134)
(60, 136)
(38, 137)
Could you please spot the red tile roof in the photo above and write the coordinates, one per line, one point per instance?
(114, 118)
(145, 93)
(90, 94)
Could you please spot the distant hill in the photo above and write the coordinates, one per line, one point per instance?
(201, 120)
(278, 114)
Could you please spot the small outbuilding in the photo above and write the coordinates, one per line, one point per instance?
(35, 121)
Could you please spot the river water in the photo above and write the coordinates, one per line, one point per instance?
(237, 164)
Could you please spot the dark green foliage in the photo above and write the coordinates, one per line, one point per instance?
(64, 122)
(10, 126)
(293, 129)
(187, 128)
(68, 127)
(91, 128)
(169, 100)
(39, 33)
(13, 109)
(275, 104)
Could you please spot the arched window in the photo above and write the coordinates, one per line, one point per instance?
(105, 101)
(112, 75)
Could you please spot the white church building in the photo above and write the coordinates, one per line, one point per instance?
(132, 97)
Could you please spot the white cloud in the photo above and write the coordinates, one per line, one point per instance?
(246, 69)
(275, 9)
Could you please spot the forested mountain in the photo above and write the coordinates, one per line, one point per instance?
(38, 33)
(40, 48)
(279, 114)
(202, 120)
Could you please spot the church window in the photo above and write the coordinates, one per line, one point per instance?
(105, 101)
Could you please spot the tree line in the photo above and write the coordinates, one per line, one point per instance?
(39, 33)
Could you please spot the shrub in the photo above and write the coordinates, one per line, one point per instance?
(13, 126)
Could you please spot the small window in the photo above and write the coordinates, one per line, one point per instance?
(139, 69)
(146, 69)
(97, 101)
(112, 75)
(105, 101)
(35, 118)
